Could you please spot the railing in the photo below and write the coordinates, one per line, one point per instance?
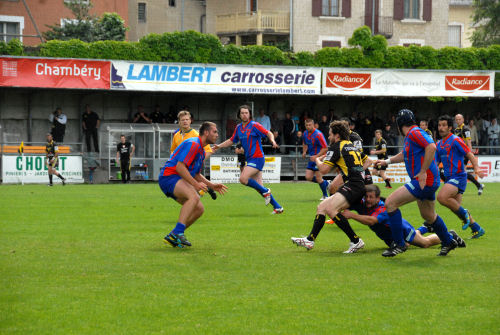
(460, 2)
(384, 25)
(260, 21)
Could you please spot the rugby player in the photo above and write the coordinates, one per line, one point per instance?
(314, 145)
(181, 179)
(418, 154)
(52, 159)
(381, 152)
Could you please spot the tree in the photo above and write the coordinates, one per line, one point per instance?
(87, 27)
(486, 18)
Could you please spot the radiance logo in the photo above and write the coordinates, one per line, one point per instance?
(348, 81)
(467, 84)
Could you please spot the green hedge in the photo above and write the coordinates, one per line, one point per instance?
(367, 51)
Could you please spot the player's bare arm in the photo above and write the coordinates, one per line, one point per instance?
(323, 168)
(270, 136)
(225, 144)
(473, 159)
(183, 171)
(399, 158)
(364, 219)
(321, 153)
(220, 188)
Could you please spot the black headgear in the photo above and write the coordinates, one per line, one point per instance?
(405, 117)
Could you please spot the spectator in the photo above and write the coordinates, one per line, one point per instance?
(479, 126)
(277, 139)
(390, 139)
(486, 125)
(58, 127)
(298, 140)
(324, 126)
(276, 123)
(424, 125)
(171, 116)
(140, 116)
(296, 120)
(90, 124)
(157, 116)
(92, 164)
(263, 119)
(474, 139)
(288, 131)
(493, 131)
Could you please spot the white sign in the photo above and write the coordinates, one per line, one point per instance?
(216, 78)
(414, 83)
(32, 169)
(224, 169)
(489, 164)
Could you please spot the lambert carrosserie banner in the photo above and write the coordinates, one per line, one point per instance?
(225, 169)
(408, 83)
(54, 73)
(170, 77)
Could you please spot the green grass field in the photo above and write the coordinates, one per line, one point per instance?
(89, 259)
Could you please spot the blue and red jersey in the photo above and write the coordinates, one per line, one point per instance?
(381, 228)
(451, 152)
(190, 152)
(315, 141)
(414, 152)
(250, 138)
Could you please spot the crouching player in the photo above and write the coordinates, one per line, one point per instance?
(181, 179)
(343, 155)
(451, 151)
(372, 212)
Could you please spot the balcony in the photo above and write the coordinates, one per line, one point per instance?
(277, 23)
(383, 25)
(460, 2)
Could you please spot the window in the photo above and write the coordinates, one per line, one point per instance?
(252, 5)
(11, 27)
(325, 44)
(412, 9)
(330, 8)
(141, 12)
(455, 36)
(171, 3)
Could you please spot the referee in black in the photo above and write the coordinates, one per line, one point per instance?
(124, 152)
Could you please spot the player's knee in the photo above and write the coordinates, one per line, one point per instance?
(243, 180)
(442, 199)
(200, 208)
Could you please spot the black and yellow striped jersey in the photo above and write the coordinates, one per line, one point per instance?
(381, 144)
(463, 132)
(51, 149)
(357, 142)
(347, 158)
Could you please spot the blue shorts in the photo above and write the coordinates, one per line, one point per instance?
(408, 231)
(312, 166)
(256, 163)
(167, 185)
(458, 181)
(428, 193)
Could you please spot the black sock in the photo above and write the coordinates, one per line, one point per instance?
(473, 180)
(50, 178)
(319, 222)
(343, 224)
(388, 182)
(60, 176)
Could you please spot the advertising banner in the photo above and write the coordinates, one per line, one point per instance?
(407, 83)
(54, 73)
(489, 164)
(32, 169)
(170, 77)
(224, 169)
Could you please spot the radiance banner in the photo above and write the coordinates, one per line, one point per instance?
(407, 83)
(170, 77)
(225, 170)
(54, 73)
(32, 169)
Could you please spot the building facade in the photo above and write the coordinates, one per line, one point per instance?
(16, 22)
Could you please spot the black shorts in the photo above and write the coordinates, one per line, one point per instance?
(353, 191)
(125, 164)
(380, 168)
